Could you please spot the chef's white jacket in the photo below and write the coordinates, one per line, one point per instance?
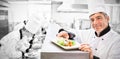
(12, 49)
(9, 44)
(104, 47)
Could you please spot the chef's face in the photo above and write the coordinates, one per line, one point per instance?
(99, 21)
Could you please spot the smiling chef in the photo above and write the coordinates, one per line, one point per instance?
(101, 41)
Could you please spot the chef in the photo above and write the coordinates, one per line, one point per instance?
(16, 44)
(101, 41)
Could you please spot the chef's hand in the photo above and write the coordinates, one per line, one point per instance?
(63, 34)
(86, 48)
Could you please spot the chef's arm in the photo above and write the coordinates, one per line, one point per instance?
(71, 35)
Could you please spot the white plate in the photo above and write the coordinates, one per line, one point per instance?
(76, 46)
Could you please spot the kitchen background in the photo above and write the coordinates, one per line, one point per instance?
(66, 13)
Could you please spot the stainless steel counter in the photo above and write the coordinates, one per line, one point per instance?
(52, 51)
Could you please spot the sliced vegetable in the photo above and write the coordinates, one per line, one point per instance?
(65, 42)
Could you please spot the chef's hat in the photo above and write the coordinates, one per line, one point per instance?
(96, 6)
(33, 25)
(97, 9)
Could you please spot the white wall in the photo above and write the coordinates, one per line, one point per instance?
(18, 11)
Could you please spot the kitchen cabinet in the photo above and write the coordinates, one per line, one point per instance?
(4, 28)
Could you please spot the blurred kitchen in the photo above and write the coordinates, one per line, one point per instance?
(69, 14)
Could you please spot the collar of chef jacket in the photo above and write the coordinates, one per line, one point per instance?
(106, 30)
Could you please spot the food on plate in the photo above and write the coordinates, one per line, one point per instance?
(65, 42)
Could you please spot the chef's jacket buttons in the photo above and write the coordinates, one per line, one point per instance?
(102, 39)
(95, 48)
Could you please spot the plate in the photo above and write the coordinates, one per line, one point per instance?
(76, 46)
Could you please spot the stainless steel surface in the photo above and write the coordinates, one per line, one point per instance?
(52, 51)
